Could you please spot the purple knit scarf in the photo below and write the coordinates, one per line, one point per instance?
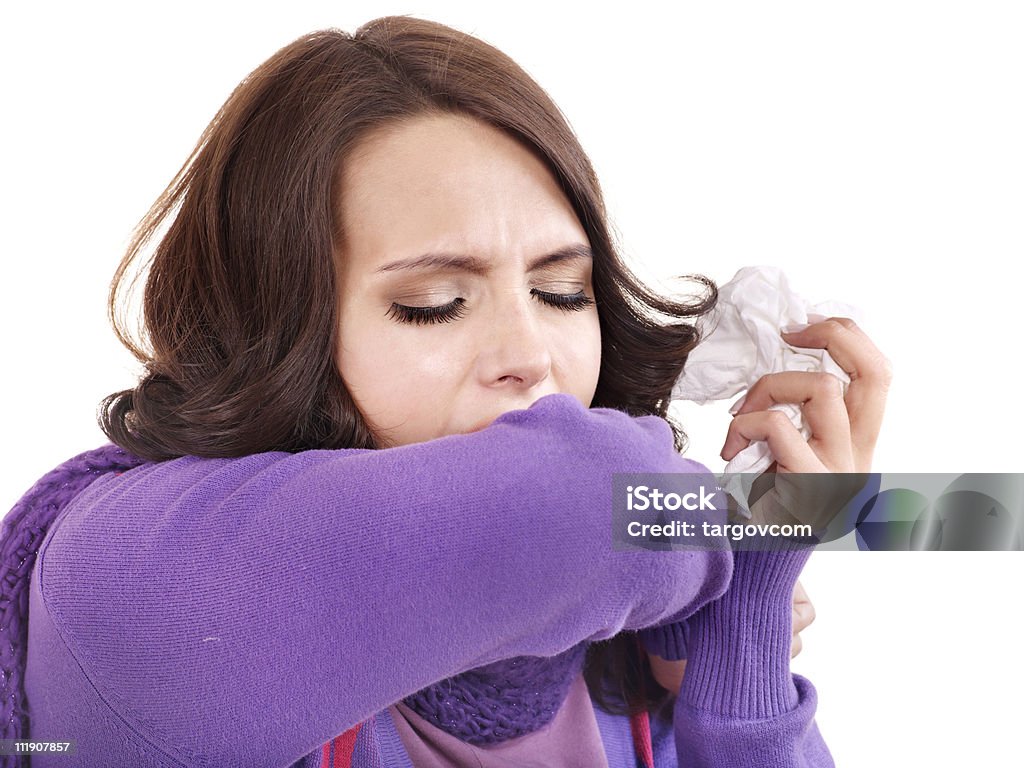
(500, 701)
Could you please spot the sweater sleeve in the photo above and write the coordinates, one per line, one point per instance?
(246, 611)
(739, 705)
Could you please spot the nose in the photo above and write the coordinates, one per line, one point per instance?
(515, 353)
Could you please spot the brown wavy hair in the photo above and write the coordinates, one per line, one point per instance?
(239, 306)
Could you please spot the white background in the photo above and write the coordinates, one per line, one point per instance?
(870, 150)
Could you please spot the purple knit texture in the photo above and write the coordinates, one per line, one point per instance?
(668, 641)
(739, 645)
(23, 531)
(500, 701)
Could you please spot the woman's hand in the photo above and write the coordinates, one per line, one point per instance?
(844, 430)
(669, 674)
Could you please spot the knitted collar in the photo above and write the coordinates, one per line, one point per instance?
(502, 700)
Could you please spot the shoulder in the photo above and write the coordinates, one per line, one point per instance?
(29, 521)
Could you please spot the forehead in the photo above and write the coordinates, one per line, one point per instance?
(449, 182)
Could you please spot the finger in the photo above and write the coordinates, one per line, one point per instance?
(803, 610)
(803, 616)
(855, 353)
(883, 368)
(800, 594)
(791, 451)
(820, 397)
(870, 375)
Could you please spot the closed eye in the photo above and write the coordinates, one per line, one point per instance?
(568, 302)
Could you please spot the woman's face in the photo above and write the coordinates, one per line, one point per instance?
(464, 281)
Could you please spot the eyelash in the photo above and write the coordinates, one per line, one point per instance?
(446, 313)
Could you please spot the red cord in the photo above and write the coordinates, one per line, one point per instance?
(640, 723)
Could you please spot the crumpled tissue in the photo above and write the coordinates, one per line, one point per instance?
(740, 343)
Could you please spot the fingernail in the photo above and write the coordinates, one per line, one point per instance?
(815, 318)
(794, 328)
(739, 404)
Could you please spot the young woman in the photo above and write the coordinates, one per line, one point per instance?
(356, 512)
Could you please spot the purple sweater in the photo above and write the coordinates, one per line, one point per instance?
(244, 612)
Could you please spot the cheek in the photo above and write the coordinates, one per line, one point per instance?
(375, 370)
(580, 354)
(366, 366)
(590, 341)
(400, 379)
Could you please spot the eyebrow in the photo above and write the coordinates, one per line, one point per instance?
(481, 267)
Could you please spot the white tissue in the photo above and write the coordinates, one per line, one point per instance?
(741, 343)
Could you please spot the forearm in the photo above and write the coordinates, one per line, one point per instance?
(357, 577)
(738, 703)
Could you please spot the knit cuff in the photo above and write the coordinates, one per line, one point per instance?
(739, 645)
(668, 641)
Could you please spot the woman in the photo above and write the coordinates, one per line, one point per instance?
(356, 508)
